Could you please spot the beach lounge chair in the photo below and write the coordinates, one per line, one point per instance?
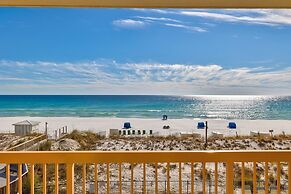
(151, 132)
(260, 134)
(138, 132)
(254, 133)
(133, 132)
(123, 132)
(143, 132)
(217, 134)
(200, 125)
(126, 125)
(128, 132)
(232, 125)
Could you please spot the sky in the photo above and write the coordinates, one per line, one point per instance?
(145, 51)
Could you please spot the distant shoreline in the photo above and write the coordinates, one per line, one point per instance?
(146, 118)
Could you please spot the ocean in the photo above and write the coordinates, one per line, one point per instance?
(147, 106)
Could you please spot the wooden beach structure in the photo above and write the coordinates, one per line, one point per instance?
(26, 127)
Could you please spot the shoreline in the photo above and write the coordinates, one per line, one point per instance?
(98, 124)
(136, 117)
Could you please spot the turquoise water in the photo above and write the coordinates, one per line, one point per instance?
(224, 107)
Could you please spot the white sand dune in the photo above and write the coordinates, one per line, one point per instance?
(176, 125)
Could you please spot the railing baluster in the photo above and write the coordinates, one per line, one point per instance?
(120, 179)
(156, 178)
(278, 178)
(131, 179)
(84, 179)
(144, 179)
(108, 178)
(32, 179)
(289, 179)
(168, 178)
(56, 178)
(96, 179)
(19, 178)
(266, 178)
(203, 178)
(254, 177)
(216, 178)
(70, 178)
(243, 178)
(180, 178)
(8, 178)
(192, 178)
(44, 179)
(229, 177)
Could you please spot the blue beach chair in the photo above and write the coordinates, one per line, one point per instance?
(201, 125)
(126, 125)
(165, 117)
(232, 125)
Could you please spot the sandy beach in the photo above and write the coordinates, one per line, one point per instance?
(97, 124)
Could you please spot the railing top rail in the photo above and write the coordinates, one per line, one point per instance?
(150, 3)
(142, 156)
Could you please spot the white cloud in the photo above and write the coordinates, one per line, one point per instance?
(190, 28)
(266, 17)
(270, 18)
(111, 77)
(163, 21)
(129, 23)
